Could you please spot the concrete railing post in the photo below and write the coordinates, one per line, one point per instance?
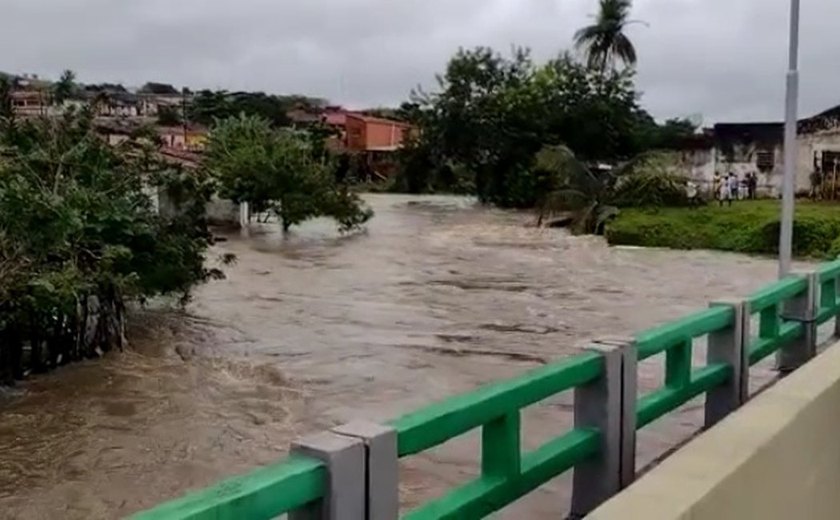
(598, 405)
(802, 309)
(629, 398)
(344, 498)
(727, 346)
(382, 468)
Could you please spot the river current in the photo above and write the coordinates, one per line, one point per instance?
(438, 296)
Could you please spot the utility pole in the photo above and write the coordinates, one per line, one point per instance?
(790, 149)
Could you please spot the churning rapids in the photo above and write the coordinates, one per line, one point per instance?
(439, 296)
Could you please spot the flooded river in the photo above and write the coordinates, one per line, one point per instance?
(439, 296)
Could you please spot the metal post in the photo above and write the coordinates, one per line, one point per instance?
(727, 346)
(598, 405)
(789, 181)
(344, 457)
(382, 463)
(802, 309)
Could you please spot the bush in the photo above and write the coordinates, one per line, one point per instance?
(746, 227)
(651, 183)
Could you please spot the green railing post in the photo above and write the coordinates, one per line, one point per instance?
(382, 497)
(829, 291)
(678, 365)
(345, 491)
(500, 447)
(727, 346)
(802, 309)
(598, 406)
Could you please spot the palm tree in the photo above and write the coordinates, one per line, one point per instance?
(604, 42)
(587, 196)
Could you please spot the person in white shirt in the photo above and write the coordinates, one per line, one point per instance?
(725, 194)
(734, 186)
(691, 193)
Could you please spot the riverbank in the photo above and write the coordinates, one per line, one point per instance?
(746, 227)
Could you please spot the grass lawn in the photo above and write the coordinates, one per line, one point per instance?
(747, 227)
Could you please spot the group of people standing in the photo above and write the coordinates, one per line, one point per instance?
(730, 187)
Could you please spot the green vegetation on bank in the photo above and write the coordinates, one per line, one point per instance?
(80, 238)
(746, 227)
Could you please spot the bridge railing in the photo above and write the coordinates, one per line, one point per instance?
(352, 471)
(682, 383)
(784, 312)
(268, 492)
(506, 473)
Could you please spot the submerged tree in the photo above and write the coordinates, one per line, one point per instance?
(605, 42)
(279, 171)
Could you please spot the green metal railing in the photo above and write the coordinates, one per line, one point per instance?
(829, 302)
(682, 384)
(774, 330)
(506, 472)
(265, 493)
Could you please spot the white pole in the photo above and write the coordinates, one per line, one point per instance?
(792, 98)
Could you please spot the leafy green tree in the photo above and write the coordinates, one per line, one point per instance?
(168, 116)
(207, 106)
(492, 114)
(80, 237)
(605, 42)
(64, 88)
(279, 171)
(7, 110)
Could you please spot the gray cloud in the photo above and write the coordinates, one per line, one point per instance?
(724, 59)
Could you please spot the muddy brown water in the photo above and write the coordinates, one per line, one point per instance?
(439, 296)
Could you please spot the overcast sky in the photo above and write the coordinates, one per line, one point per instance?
(722, 59)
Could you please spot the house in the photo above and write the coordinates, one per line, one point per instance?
(375, 140)
(742, 148)
(29, 103)
(117, 104)
(373, 134)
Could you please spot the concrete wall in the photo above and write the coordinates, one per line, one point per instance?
(701, 166)
(776, 458)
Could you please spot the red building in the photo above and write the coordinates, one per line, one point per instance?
(373, 134)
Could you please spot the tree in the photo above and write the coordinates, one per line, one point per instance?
(161, 89)
(592, 195)
(208, 106)
(64, 88)
(80, 238)
(492, 114)
(168, 116)
(279, 171)
(605, 42)
(7, 110)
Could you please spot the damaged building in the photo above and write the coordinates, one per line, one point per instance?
(742, 148)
